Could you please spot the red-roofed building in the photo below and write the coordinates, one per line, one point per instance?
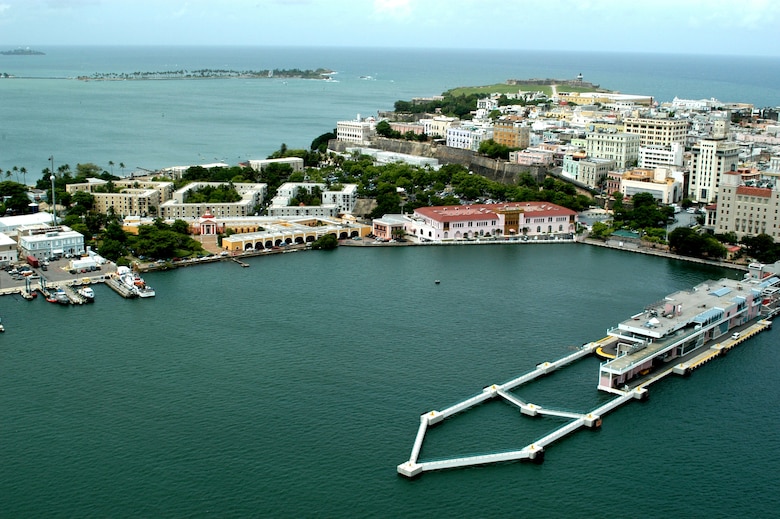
(460, 222)
(748, 210)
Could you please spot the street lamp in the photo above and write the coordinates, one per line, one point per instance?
(53, 199)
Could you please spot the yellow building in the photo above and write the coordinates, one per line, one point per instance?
(509, 133)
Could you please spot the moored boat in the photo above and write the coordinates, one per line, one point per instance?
(61, 297)
(145, 291)
(87, 293)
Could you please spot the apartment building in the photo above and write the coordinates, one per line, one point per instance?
(468, 137)
(748, 210)
(621, 147)
(657, 131)
(591, 171)
(511, 133)
(710, 160)
(654, 156)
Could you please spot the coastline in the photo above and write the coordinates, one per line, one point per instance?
(663, 254)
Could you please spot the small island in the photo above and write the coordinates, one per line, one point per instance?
(320, 73)
(27, 51)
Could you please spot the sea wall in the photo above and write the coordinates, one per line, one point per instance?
(497, 170)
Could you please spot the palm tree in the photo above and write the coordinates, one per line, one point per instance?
(111, 165)
(122, 167)
(24, 174)
(16, 172)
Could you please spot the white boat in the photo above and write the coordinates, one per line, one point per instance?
(135, 283)
(145, 291)
(2, 328)
(87, 293)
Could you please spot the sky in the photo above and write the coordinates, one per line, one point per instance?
(721, 27)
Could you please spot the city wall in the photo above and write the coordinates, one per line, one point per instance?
(497, 170)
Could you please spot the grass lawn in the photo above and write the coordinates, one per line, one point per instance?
(503, 88)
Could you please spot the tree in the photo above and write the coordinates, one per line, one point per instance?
(762, 247)
(600, 230)
(84, 199)
(325, 242)
(321, 143)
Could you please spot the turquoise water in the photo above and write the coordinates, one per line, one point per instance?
(293, 388)
(155, 124)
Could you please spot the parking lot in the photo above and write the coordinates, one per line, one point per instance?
(55, 271)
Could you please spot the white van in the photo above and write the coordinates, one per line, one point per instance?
(735, 335)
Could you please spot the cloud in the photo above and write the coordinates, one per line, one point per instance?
(397, 9)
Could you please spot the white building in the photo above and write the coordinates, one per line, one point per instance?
(333, 202)
(622, 147)
(697, 105)
(654, 156)
(710, 159)
(52, 241)
(659, 182)
(296, 163)
(10, 224)
(468, 137)
(9, 252)
(358, 131)
(252, 195)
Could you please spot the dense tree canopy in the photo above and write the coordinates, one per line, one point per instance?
(690, 242)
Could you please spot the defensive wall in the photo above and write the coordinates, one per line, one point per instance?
(497, 170)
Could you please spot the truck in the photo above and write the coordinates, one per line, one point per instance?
(33, 261)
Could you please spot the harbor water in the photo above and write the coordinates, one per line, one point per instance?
(293, 388)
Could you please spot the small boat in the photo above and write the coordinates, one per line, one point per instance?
(437, 281)
(87, 293)
(61, 297)
(2, 328)
(145, 291)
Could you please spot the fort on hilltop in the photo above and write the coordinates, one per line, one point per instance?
(576, 82)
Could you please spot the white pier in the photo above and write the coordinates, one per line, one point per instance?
(592, 419)
(534, 451)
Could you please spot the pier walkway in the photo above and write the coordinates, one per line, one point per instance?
(592, 419)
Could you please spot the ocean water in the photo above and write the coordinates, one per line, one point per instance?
(154, 124)
(293, 388)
